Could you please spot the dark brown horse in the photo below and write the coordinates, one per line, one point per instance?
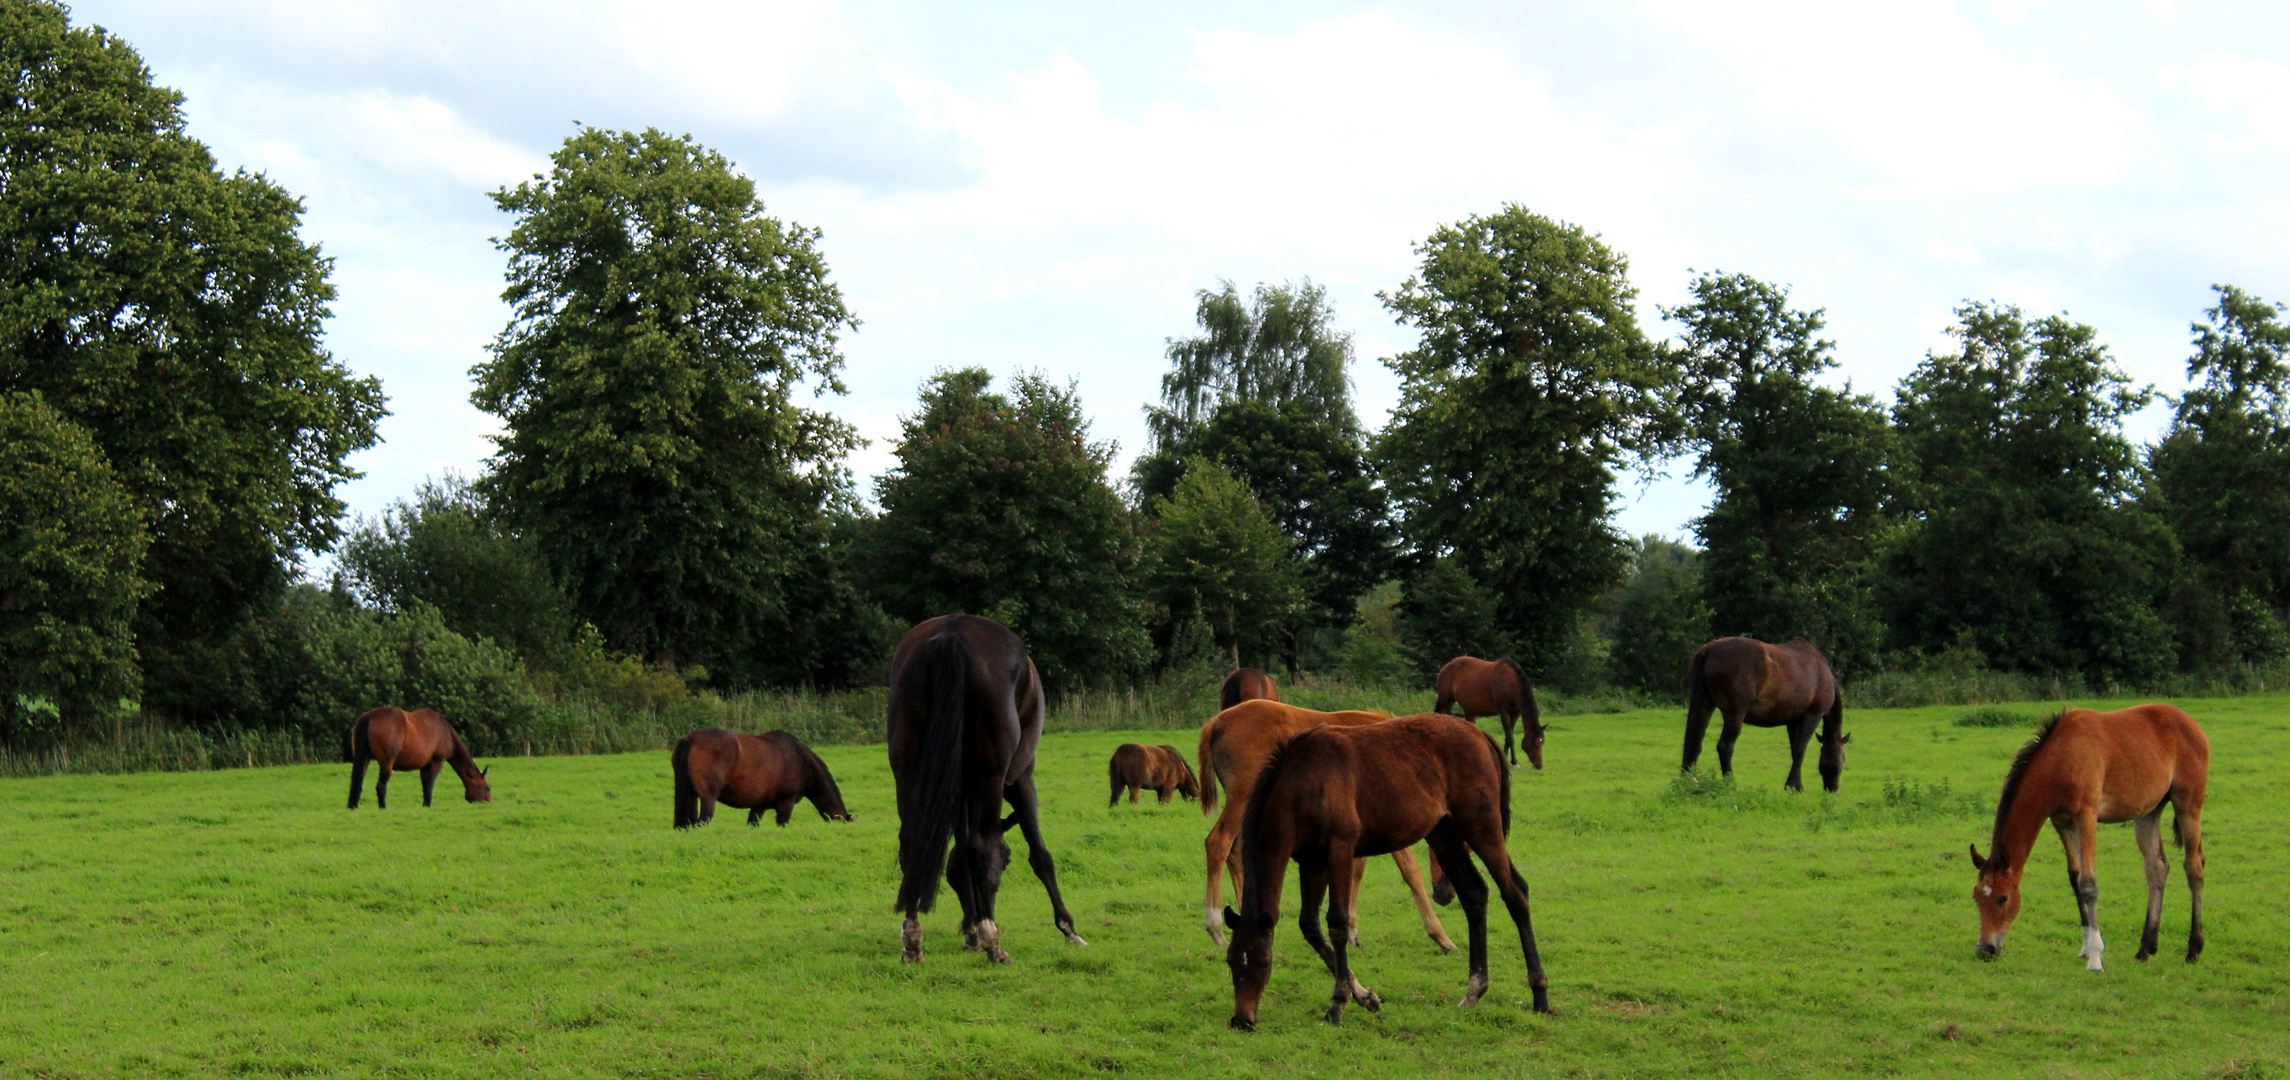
(1494, 688)
(1158, 769)
(965, 718)
(396, 739)
(2083, 769)
(1336, 794)
(1246, 684)
(1786, 686)
(772, 771)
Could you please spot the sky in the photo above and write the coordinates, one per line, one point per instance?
(1047, 186)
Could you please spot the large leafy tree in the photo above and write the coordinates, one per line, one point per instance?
(1531, 383)
(172, 312)
(1658, 617)
(999, 506)
(2221, 478)
(72, 542)
(1215, 556)
(657, 448)
(1794, 534)
(2024, 538)
(445, 548)
(1265, 391)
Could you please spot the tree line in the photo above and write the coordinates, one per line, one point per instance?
(668, 496)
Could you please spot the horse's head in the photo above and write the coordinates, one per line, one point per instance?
(475, 788)
(1997, 894)
(1534, 741)
(1188, 785)
(820, 787)
(1833, 761)
(1250, 957)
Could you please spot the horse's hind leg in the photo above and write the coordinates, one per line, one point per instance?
(1341, 928)
(2187, 820)
(381, 784)
(1028, 808)
(1219, 850)
(1455, 859)
(1352, 890)
(2149, 832)
(1513, 886)
(1404, 858)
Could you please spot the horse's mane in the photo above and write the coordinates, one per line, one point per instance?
(2019, 772)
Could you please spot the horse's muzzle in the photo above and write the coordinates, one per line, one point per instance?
(1240, 1023)
(1989, 950)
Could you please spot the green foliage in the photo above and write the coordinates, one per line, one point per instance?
(1992, 716)
(1658, 618)
(444, 548)
(316, 662)
(2023, 531)
(999, 507)
(1797, 529)
(1530, 384)
(1444, 613)
(173, 313)
(1311, 472)
(655, 450)
(1213, 554)
(71, 555)
(1281, 349)
(2221, 478)
(1375, 648)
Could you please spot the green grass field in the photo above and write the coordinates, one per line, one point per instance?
(243, 923)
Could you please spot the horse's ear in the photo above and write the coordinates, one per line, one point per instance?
(1845, 738)
(1232, 918)
(1978, 863)
(486, 771)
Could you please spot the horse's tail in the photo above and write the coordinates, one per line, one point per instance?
(1205, 755)
(1698, 689)
(1113, 778)
(687, 809)
(359, 750)
(927, 823)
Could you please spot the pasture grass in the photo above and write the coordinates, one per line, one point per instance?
(242, 923)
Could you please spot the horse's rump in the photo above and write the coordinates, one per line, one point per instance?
(1246, 684)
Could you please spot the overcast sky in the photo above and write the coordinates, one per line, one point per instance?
(1046, 186)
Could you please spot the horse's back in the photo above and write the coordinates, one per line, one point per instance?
(1393, 781)
(2123, 764)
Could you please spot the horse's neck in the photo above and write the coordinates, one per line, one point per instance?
(2023, 822)
(464, 765)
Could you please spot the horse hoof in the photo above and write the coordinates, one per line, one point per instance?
(910, 957)
(1367, 999)
(1218, 937)
(1445, 945)
(1075, 938)
(995, 953)
(1335, 1015)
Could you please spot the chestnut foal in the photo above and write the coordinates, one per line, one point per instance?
(1332, 795)
(2082, 769)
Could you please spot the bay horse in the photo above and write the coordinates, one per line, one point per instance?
(2083, 769)
(965, 719)
(1493, 688)
(1158, 769)
(1234, 746)
(1332, 795)
(772, 771)
(1750, 682)
(396, 739)
(1246, 684)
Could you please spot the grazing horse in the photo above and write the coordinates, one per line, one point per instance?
(1493, 688)
(1158, 769)
(421, 739)
(2089, 767)
(965, 719)
(1750, 682)
(1335, 794)
(755, 773)
(1234, 746)
(1246, 684)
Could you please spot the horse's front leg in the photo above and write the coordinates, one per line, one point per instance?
(2081, 838)
(1799, 733)
(2149, 832)
(429, 779)
(1027, 806)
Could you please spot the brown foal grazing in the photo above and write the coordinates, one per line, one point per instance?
(1750, 682)
(1158, 769)
(1234, 746)
(1246, 684)
(1335, 794)
(396, 739)
(1493, 688)
(772, 771)
(2085, 768)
